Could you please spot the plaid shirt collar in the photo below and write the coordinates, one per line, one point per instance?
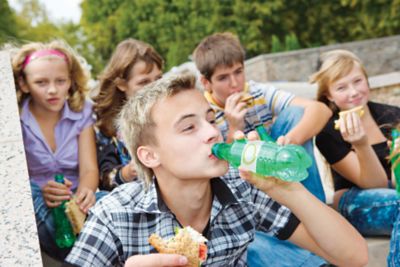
(152, 202)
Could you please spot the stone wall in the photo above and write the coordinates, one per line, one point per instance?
(380, 56)
(18, 235)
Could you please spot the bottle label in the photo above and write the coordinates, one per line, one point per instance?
(250, 154)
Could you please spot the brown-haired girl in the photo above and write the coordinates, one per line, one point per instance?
(133, 65)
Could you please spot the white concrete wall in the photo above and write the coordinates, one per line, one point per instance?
(19, 245)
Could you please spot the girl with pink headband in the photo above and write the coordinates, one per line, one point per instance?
(57, 126)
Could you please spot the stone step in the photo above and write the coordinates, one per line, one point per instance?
(378, 249)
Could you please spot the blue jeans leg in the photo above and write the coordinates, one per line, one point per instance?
(287, 120)
(273, 252)
(374, 212)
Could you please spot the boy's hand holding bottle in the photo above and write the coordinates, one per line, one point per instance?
(270, 185)
(266, 158)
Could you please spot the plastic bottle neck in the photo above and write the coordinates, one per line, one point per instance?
(59, 178)
(221, 150)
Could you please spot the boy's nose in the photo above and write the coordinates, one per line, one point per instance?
(233, 81)
(212, 133)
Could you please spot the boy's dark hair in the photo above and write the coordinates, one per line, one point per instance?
(219, 49)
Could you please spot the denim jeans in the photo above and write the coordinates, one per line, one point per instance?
(45, 224)
(374, 212)
(269, 251)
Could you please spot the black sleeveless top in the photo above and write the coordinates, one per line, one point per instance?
(332, 146)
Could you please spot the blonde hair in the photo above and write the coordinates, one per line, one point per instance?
(334, 65)
(135, 120)
(219, 49)
(110, 99)
(78, 74)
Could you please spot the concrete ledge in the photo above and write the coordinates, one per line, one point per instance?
(305, 89)
(378, 249)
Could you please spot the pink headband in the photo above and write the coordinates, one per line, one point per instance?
(42, 53)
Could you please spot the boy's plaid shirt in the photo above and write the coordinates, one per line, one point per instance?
(120, 224)
(267, 102)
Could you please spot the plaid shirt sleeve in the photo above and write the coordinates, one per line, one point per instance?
(96, 245)
(271, 217)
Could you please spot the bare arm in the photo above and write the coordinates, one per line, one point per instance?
(315, 117)
(322, 230)
(88, 170)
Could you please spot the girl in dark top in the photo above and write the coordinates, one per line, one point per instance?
(358, 151)
(133, 65)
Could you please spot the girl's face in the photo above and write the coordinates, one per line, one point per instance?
(138, 77)
(47, 80)
(350, 91)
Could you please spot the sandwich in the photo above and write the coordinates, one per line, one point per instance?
(359, 110)
(187, 242)
(247, 98)
(75, 216)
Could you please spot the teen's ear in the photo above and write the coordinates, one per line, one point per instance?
(121, 84)
(23, 85)
(206, 83)
(148, 157)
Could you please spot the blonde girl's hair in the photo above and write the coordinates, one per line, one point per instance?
(135, 120)
(334, 65)
(110, 99)
(78, 74)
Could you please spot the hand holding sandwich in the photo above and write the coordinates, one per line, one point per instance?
(235, 111)
(187, 242)
(351, 127)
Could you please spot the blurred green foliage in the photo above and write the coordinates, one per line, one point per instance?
(175, 27)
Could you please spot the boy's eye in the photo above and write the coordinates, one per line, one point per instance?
(40, 82)
(239, 71)
(357, 81)
(188, 128)
(222, 78)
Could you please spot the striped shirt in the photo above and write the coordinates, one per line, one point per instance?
(120, 224)
(267, 103)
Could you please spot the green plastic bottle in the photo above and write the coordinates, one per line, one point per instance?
(288, 163)
(396, 170)
(65, 236)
